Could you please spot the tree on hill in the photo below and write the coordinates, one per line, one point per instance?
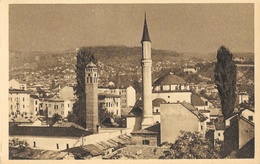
(225, 78)
(84, 56)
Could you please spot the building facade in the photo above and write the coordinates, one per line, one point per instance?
(180, 116)
(57, 106)
(110, 102)
(19, 103)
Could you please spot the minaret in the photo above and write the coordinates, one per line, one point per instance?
(91, 81)
(147, 78)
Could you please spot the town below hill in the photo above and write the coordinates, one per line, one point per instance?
(120, 65)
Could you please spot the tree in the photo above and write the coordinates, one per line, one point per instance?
(225, 79)
(56, 117)
(84, 56)
(192, 145)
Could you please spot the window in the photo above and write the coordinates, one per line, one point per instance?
(218, 134)
(36, 102)
(11, 106)
(201, 127)
(169, 96)
(36, 109)
(250, 118)
(11, 99)
(68, 105)
(57, 146)
(146, 142)
(23, 98)
(157, 111)
(23, 106)
(34, 144)
(67, 146)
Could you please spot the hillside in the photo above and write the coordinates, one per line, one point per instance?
(111, 55)
(118, 64)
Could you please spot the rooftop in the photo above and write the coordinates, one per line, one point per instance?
(169, 79)
(196, 100)
(192, 109)
(154, 129)
(47, 131)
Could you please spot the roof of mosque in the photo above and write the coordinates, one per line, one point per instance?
(158, 101)
(169, 79)
(196, 100)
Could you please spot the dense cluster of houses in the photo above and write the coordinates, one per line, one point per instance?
(30, 103)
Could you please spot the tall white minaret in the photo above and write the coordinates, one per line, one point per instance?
(147, 78)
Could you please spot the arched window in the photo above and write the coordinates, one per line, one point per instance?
(67, 146)
(57, 146)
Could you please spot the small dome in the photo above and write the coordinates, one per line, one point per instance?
(169, 79)
(196, 100)
(157, 102)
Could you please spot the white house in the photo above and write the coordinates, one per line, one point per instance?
(19, 103)
(14, 84)
(66, 93)
(243, 97)
(57, 106)
(111, 102)
(190, 70)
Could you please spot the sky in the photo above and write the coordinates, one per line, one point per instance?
(192, 28)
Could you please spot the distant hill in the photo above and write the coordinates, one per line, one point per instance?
(107, 54)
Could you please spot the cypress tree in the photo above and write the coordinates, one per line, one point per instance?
(225, 79)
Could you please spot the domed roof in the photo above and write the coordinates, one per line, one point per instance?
(196, 100)
(158, 101)
(169, 79)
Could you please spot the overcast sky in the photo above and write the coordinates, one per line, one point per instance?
(198, 28)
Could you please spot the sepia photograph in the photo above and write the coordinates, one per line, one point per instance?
(133, 81)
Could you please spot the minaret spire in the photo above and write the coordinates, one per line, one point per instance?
(146, 36)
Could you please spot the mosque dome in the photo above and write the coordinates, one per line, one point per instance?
(169, 79)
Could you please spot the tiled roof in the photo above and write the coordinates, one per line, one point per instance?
(196, 100)
(68, 124)
(36, 154)
(47, 131)
(98, 148)
(220, 125)
(24, 120)
(18, 91)
(34, 96)
(214, 112)
(192, 109)
(154, 129)
(102, 96)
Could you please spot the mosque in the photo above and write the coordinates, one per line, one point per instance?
(166, 106)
